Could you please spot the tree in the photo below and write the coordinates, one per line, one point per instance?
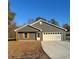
(30, 21)
(11, 24)
(11, 15)
(38, 18)
(53, 21)
(67, 26)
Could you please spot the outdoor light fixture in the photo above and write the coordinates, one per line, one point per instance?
(41, 23)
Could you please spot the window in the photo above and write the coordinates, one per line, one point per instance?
(44, 33)
(38, 34)
(58, 32)
(25, 35)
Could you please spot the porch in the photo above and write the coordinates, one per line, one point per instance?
(28, 36)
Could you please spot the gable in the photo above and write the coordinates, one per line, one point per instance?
(47, 27)
(28, 29)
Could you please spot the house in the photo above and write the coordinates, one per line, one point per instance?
(40, 30)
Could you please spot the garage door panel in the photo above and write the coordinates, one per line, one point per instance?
(51, 36)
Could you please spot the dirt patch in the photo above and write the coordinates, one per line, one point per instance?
(26, 50)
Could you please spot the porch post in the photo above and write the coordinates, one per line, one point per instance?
(35, 36)
(16, 36)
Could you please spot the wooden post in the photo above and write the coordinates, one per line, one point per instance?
(16, 36)
(35, 36)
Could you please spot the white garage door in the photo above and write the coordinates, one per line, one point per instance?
(48, 36)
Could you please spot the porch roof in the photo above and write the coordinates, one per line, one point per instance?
(28, 28)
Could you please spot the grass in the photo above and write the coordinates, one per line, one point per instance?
(26, 50)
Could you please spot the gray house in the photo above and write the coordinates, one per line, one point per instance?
(40, 30)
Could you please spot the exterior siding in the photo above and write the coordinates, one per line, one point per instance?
(32, 36)
(19, 36)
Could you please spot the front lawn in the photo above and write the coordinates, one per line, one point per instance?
(26, 50)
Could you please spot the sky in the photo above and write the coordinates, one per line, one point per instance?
(48, 9)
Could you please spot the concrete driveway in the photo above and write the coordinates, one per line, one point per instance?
(57, 49)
